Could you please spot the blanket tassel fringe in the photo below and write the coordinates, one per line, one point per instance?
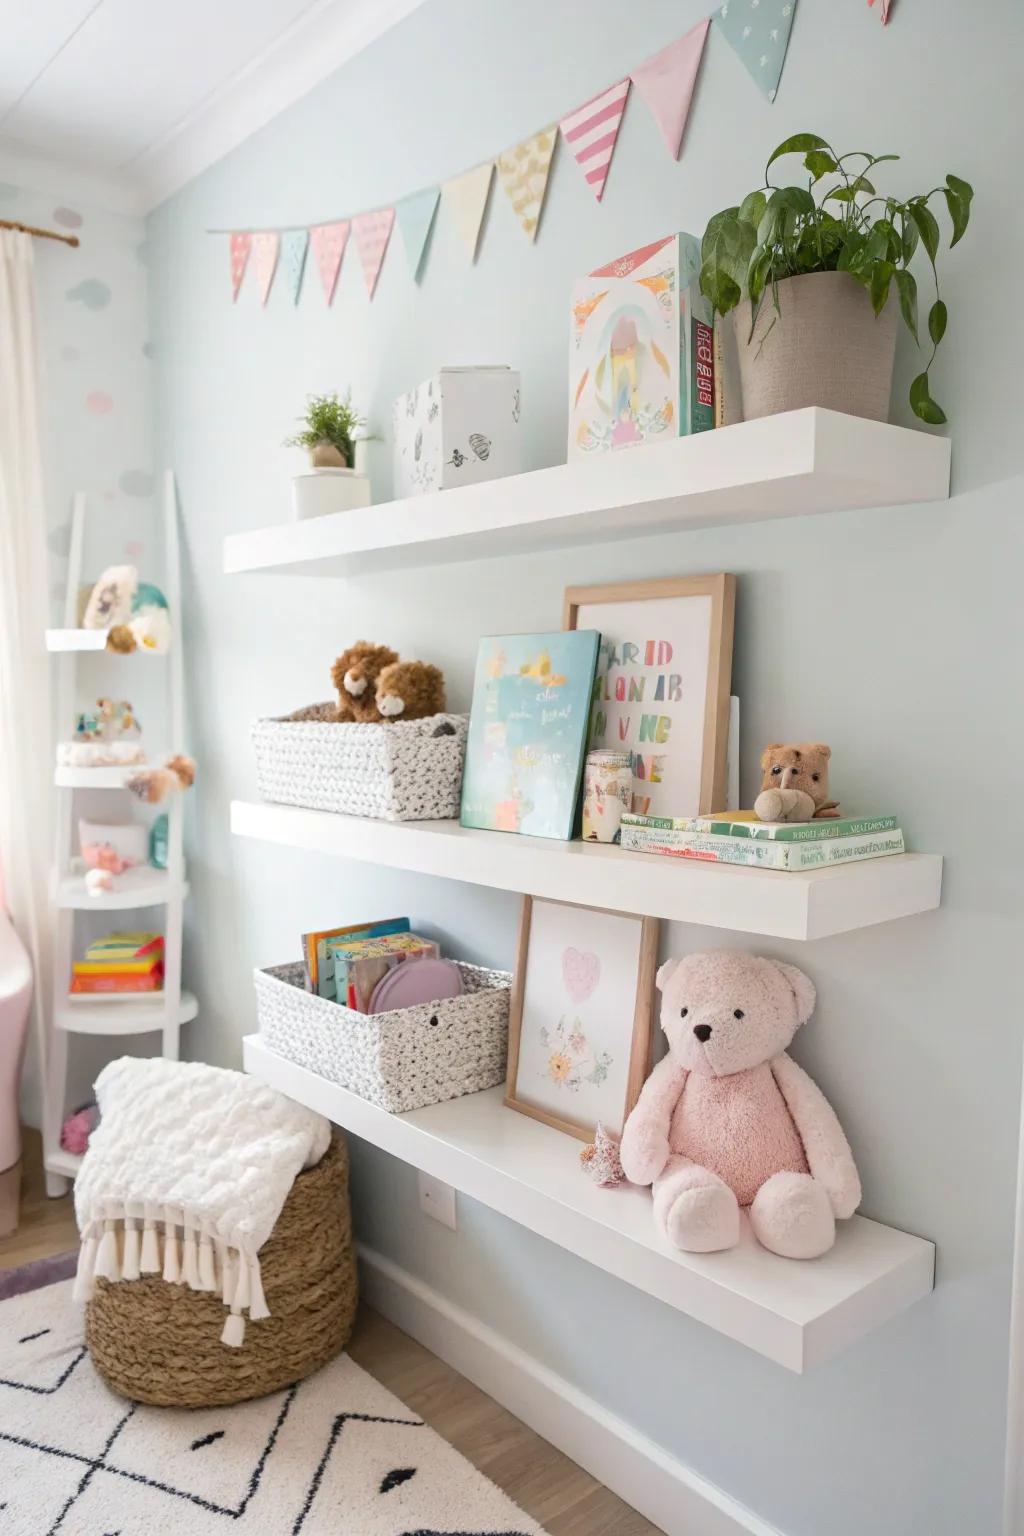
(117, 1249)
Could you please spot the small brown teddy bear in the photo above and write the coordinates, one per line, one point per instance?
(795, 783)
(355, 675)
(410, 690)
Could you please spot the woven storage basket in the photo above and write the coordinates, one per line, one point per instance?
(399, 1060)
(159, 1343)
(404, 771)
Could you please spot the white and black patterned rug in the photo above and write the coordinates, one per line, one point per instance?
(336, 1455)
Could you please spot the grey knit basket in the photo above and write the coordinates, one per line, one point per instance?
(404, 771)
(400, 1060)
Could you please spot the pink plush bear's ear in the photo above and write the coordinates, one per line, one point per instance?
(664, 972)
(803, 989)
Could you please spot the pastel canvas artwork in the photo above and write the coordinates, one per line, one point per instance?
(579, 1000)
(528, 732)
(641, 363)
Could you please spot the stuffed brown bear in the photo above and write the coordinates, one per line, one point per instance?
(410, 690)
(794, 786)
(355, 675)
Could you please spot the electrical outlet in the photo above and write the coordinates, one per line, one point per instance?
(437, 1200)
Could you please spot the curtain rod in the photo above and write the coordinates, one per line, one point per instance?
(43, 234)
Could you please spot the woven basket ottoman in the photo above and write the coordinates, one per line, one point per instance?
(158, 1343)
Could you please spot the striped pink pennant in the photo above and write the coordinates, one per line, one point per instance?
(591, 132)
(241, 245)
(329, 242)
(265, 248)
(372, 232)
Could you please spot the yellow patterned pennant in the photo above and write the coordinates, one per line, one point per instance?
(524, 175)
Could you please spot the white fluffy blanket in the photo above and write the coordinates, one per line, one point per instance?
(185, 1176)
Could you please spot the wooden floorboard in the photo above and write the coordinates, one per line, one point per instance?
(565, 1500)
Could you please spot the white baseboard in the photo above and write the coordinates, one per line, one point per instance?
(665, 1491)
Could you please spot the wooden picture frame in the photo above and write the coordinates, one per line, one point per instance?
(569, 980)
(685, 787)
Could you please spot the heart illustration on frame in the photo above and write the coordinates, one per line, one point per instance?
(581, 972)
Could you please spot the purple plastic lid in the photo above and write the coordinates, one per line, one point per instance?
(416, 981)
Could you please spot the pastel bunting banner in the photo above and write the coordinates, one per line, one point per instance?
(524, 172)
(240, 247)
(666, 83)
(294, 245)
(884, 7)
(591, 132)
(467, 197)
(372, 232)
(328, 242)
(265, 248)
(759, 32)
(414, 216)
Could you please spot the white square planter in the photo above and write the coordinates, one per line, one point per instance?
(457, 428)
(320, 491)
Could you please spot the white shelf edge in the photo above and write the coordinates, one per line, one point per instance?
(111, 777)
(795, 1313)
(120, 1013)
(64, 1163)
(809, 905)
(797, 463)
(156, 891)
(61, 641)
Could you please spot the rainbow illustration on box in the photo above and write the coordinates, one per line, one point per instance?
(641, 359)
(527, 732)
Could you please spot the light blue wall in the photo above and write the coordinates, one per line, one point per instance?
(890, 634)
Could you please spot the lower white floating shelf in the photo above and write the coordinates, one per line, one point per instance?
(796, 1313)
(119, 1013)
(809, 905)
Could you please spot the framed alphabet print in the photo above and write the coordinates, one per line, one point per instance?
(579, 1045)
(662, 686)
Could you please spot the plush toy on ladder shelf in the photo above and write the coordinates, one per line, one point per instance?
(133, 612)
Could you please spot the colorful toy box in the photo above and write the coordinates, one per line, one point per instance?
(641, 354)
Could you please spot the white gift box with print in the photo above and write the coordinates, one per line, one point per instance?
(457, 428)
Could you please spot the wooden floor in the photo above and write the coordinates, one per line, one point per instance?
(554, 1490)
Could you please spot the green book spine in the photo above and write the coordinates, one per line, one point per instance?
(798, 831)
(763, 854)
(661, 823)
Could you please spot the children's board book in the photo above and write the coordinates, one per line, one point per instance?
(641, 350)
(315, 952)
(726, 825)
(760, 852)
(528, 732)
(359, 966)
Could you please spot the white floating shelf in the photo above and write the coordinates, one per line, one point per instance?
(796, 1313)
(789, 465)
(76, 639)
(778, 905)
(119, 1013)
(96, 778)
(142, 886)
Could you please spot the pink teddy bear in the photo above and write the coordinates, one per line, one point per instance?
(727, 1119)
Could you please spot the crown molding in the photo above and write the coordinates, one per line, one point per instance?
(116, 193)
(326, 36)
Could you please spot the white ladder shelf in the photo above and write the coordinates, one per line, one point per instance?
(121, 1015)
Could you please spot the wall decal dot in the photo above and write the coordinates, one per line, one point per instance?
(148, 349)
(99, 403)
(136, 482)
(68, 217)
(90, 292)
(58, 540)
(133, 549)
(69, 354)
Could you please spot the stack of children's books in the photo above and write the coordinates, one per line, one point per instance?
(737, 837)
(120, 962)
(347, 964)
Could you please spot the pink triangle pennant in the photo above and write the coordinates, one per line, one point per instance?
(265, 248)
(885, 8)
(666, 83)
(329, 242)
(591, 132)
(372, 232)
(240, 245)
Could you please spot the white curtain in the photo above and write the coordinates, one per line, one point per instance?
(26, 752)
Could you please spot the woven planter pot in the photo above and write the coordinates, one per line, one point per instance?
(825, 348)
(157, 1343)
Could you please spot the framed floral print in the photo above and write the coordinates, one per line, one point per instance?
(580, 1023)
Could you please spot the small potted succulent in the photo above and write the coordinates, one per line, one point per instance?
(331, 431)
(814, 275)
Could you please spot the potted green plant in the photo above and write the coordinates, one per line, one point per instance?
(809, 272)
(330, 431)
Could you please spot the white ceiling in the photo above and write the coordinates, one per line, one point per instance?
(141, 95)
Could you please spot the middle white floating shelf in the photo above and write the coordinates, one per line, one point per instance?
(797, 1313)
(809, 905)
